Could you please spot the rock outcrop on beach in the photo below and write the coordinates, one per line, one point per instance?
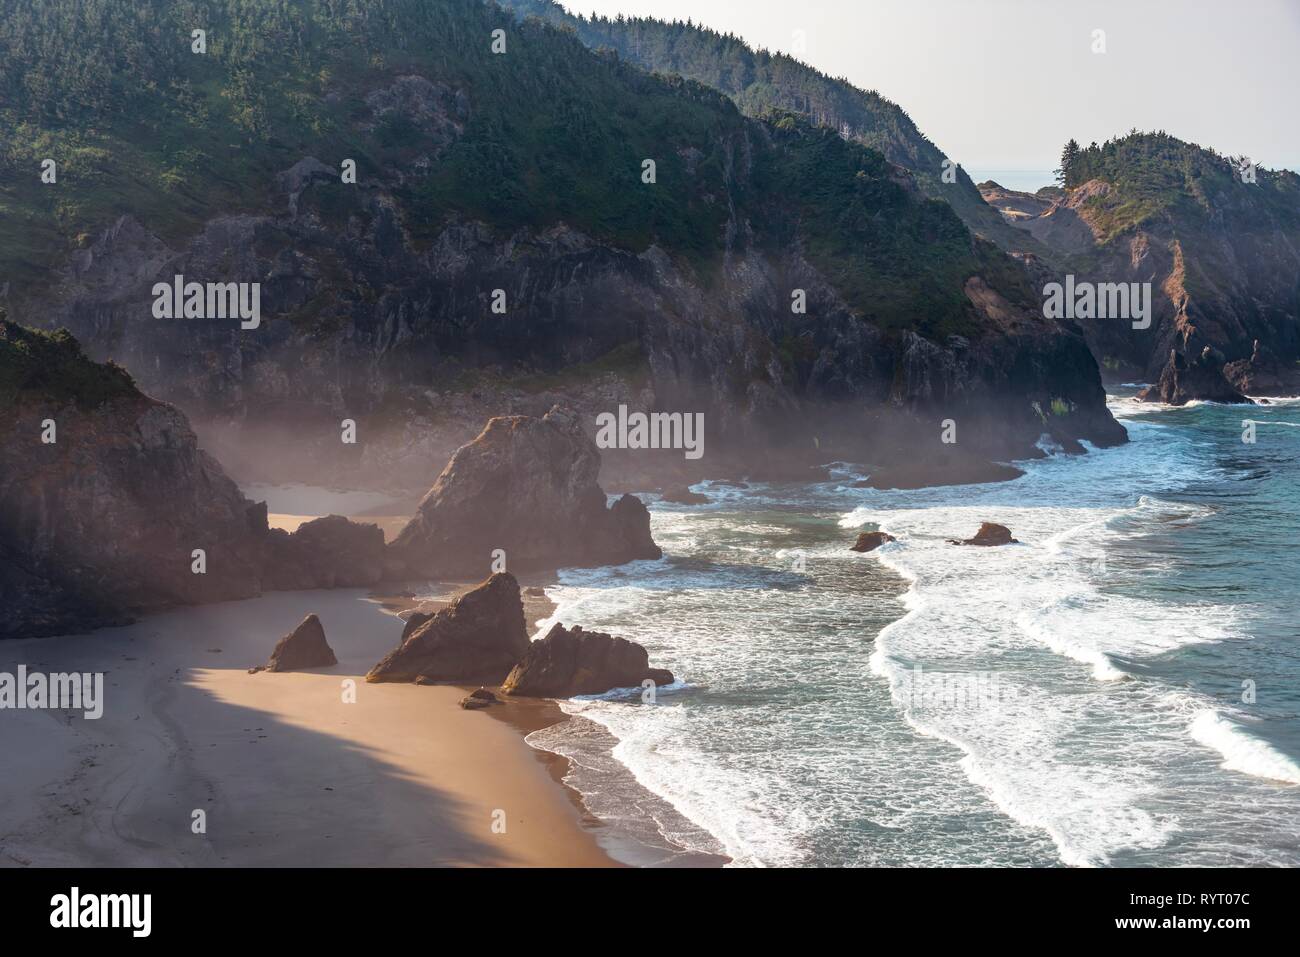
(989, 534)
(328, 552)
(479, 699)
(107, 504)
(570, 661)
(1216, 240)
(476, 639)
(304, 647)
(526, 487)
(870, 541)
(109, 508)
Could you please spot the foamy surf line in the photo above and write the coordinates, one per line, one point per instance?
(1241, 750)
(1041, 757)
(1009, 748)
(703, 815)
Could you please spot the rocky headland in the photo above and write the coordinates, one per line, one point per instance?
(1216, 240)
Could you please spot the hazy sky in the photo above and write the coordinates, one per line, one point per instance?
(1002, 84)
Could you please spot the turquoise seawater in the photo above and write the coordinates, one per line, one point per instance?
(1120, 688)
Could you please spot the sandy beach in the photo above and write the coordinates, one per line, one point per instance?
(288, 769)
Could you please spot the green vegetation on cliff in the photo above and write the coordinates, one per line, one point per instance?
(760, 81)
(51, 366)
(1157, 176)
(547, 133)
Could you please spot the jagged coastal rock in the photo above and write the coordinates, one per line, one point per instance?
(109, 508)
(870, 541)
(570, 661)
(526, 486)
(476, 639)
(1214, 240)
(107, 504)
(328, 552)
(304, 647)
(989, 534)
(1200, 377)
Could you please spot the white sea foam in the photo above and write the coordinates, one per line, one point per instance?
(1060, 754)
(768, 747)
(1241, 750)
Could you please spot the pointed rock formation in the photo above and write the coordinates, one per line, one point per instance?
(304, 647)
(527, 486)
(570, 661)
(476, 639)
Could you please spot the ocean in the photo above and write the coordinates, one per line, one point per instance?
(1122, 688)
(1022, 180)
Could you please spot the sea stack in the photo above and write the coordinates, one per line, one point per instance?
(527, 487)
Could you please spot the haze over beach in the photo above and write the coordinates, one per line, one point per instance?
(623, 434)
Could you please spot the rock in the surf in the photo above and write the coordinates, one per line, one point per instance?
(990, 533)
(870, 541)
(570, 661)
(682, 495)
(304, 647)
(476, 639)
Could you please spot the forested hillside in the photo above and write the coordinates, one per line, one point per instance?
(651, 241)
(1217, 239)
(761, 81)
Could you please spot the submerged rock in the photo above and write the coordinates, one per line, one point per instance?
(570, 661)
(478, 638)
(870, 541)
(304, 647)
(990, 533)
(682, 495)
(526, 486)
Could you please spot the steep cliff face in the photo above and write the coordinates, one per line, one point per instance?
(1219, 244)
(624, 239)
(105, 496)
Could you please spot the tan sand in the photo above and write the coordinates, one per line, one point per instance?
(286, 770)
